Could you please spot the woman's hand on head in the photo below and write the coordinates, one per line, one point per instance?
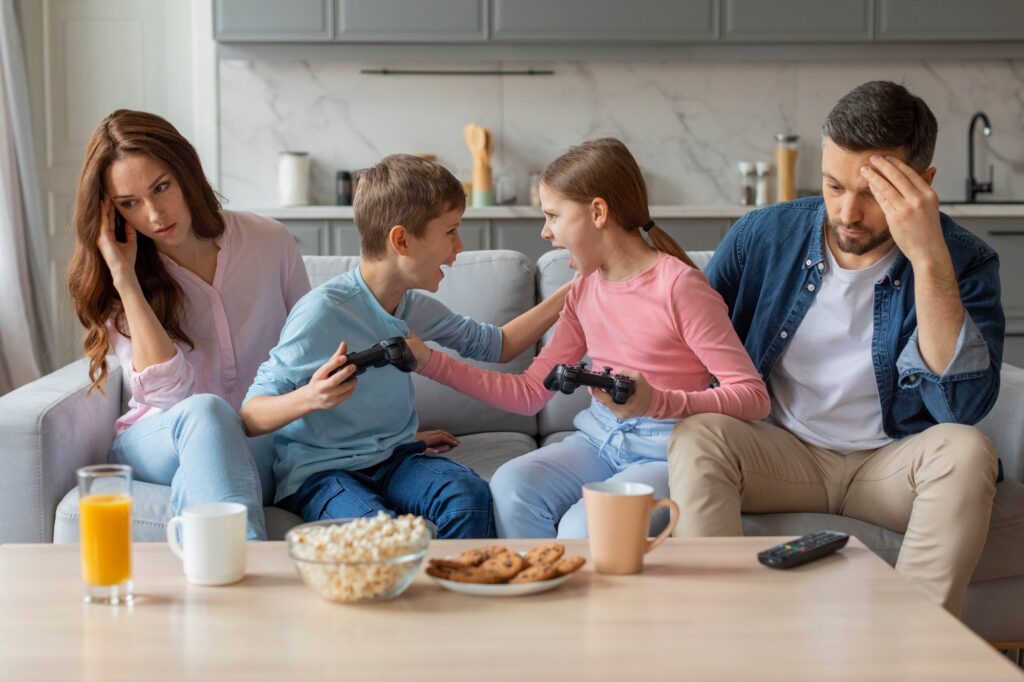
(119, 256)
(638, 403)
(324, 390)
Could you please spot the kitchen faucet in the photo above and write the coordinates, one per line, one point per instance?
(973, 186)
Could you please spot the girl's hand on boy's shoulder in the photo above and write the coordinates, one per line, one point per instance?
(420, 350)
(325, 390)
(638, 403)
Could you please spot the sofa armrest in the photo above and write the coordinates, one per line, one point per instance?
(1005, 423)
(50, 428)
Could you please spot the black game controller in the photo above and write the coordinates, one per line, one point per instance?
(567, 378)
(394, 351)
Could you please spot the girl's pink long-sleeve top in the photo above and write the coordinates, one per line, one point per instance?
(667, 323)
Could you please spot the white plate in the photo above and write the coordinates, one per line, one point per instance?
(504, 589)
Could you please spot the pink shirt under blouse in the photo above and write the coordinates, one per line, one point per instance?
(667, 322)
(234, 323)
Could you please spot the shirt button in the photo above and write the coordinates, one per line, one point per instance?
(913, 377)
(895, 282)
(821, 266)
(808, 263)
(784, 335)
(810, 287)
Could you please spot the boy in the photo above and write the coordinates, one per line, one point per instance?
(348, 449)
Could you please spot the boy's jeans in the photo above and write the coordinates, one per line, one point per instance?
(447, 493)
(199, 448)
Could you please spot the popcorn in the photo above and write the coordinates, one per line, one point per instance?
(353, 561)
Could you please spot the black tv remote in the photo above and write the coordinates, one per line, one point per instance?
(802, 550)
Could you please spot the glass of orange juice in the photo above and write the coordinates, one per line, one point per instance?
(105, 524)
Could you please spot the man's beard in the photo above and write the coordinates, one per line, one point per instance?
(857, 248)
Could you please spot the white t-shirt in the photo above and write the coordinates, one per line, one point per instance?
(823, 387)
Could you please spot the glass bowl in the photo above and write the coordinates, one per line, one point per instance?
(371, 568)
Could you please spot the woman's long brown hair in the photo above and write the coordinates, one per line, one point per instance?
(605, 168)
(96, 300)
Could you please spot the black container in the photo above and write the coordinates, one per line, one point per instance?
(344, 188)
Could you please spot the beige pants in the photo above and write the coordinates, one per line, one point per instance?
(936, 487)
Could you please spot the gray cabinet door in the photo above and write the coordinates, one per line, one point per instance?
(950, 20)
(520, 235)
(310, 235)
(640, 21)
(802, 21)
(695, 234)
(293, 21)
(344, 238)
(411, 21)
(475, 234)
(1006, 237)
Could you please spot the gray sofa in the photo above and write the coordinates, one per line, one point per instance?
(51, 427)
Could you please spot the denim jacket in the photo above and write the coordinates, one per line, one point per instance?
(769, 268)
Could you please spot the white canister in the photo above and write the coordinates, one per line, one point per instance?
(293, 179)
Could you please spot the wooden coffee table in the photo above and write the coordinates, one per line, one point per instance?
(702, 609)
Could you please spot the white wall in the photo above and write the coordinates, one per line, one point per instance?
(87, 58)
(687, 122)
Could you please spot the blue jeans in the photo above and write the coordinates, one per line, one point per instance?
(539, 495)
(199, 448)
(447, 493)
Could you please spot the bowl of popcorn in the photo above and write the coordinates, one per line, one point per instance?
(358, 560)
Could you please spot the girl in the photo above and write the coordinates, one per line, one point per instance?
(641, 308)
(191, 298)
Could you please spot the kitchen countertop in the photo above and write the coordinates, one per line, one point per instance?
(980, 210)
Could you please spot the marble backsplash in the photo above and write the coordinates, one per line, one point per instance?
(687, 123)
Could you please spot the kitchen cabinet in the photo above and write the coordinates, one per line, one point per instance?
(814, 21)
(1006, 237)
(520, 235)
(612, 22)
(341, 238)
(695, 234)
(344, 236)
(950, 20)
(642, 21)
(311, 236)
(294, 21)
(411, 21)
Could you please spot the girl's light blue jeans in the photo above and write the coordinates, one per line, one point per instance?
(200, 449)
(539, 495)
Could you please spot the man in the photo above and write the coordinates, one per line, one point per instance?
(876, 322)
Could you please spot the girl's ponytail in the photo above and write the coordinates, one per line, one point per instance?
(662, 241)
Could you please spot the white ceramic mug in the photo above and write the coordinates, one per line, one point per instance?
(213, 542)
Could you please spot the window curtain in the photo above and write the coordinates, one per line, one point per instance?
(26, 335)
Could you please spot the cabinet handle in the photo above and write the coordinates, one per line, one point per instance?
(1007, 233)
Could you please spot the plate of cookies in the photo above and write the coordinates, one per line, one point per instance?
(496, 571)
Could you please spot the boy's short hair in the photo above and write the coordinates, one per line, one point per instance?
(401, 190)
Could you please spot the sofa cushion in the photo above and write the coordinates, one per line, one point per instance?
(151, 510)
(485, 452)
(488, 286)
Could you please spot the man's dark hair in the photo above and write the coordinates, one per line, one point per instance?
(884, 115)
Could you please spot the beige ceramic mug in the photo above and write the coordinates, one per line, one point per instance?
(618, 518)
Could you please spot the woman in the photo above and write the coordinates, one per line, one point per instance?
(191, 298)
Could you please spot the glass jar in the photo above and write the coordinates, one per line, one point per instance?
(785, 164)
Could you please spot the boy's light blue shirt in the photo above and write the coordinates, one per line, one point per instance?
(381, 413)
